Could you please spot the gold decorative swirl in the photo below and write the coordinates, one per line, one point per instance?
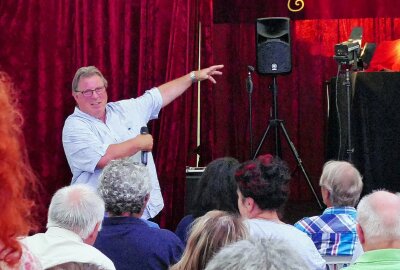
(297, 3)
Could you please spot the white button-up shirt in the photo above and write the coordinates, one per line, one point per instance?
(58, 246)
(86, 139)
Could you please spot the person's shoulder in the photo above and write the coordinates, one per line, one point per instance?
(29, 260)
(32, 240)
(306, 221)
(99, 257)
(74, 120)
(118, 103)
(186, 220)
(164, 235)
(151, 224)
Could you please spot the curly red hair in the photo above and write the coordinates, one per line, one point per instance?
(16, 176)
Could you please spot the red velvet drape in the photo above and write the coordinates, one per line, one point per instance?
(139, 44)
(168, 50)
(301, 96)
(42, 45)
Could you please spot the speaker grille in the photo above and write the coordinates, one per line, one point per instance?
(273, 57)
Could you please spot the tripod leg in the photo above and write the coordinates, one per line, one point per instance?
(278, 147)
(299, 162)
(262, 141)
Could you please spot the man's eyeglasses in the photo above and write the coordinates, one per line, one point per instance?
(89, 92)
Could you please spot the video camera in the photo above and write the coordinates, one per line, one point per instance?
(349, 51)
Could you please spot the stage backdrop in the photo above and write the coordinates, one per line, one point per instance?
(139, 44)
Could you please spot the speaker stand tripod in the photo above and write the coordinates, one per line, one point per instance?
(278, 124)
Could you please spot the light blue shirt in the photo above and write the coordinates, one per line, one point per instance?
(86, 139)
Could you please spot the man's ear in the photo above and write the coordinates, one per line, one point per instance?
(75, 96)
(326, 196)
(93, 235)
(146, 200)
(360, 234)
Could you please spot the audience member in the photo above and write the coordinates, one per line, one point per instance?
(379, 231)
(74, 219)
(334, 232)
(98, 132)
(208, 235)
(263, 187)
(17, 183)
(130, 242)
(216, 190)
(257, 254)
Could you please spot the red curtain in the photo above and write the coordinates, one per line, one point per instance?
(169, 38)
(139, 44)
(301, 94)
(42, 45)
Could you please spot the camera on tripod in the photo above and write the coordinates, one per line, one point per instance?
(347, 52)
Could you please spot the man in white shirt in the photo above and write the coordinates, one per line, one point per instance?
(100, 131)
(74, 219)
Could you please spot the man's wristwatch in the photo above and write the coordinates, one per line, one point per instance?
(193, 77)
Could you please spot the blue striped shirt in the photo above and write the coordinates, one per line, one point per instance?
(334, 232)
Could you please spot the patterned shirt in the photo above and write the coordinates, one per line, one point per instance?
(334, 232)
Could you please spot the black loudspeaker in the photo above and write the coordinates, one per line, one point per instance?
(193, 175)
(273, 46)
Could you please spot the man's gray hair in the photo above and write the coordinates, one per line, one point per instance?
(124, 186)
(375, 223)
(343, 181)
(77, 208)
(86, 72)
(257, 254)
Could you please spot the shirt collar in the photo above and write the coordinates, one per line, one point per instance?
(64, 233)
(84, 115)
(122, 220)
(335, 210)
(380, 255)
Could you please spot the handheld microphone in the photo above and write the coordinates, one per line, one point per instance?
(249, 81)
(144, 130)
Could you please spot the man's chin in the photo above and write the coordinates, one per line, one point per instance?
(98, 107)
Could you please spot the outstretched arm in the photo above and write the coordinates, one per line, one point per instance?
(173, 89)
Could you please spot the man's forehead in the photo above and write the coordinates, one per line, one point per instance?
(90, 80)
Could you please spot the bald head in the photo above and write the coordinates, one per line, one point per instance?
(343, 181)
(379, 217)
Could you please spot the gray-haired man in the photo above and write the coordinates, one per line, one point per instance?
(334, 232)
(125, 238)
(74, 219)
(379, 231)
